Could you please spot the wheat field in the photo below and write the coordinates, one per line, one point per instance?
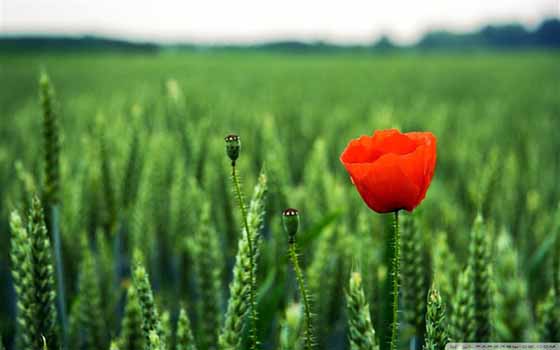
(124, 157)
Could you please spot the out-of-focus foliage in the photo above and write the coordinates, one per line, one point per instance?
(143, 168)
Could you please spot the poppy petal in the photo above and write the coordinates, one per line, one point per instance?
(360, 151)
(391, 170)
(430, 143)
(392, 141)
(386, 187)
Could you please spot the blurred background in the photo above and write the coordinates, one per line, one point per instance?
(289, 25)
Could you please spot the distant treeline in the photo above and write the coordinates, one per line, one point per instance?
(67, 43)
(512, 36)
(493, 37)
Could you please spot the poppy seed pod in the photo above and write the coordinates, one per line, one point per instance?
(290, 218)
(233, 144)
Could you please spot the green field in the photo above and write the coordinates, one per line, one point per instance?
(143, 168)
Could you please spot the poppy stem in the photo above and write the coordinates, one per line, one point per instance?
(395, 273)
(308, 331)
(252, 302)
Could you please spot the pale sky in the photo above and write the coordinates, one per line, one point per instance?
(247, 21)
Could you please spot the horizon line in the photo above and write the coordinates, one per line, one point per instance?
(264, 39)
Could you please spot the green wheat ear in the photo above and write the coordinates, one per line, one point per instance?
(291, 327)
(184, 337)
(34, 281)
(414, 278)
(436, 332)
(132, 173)
(445, 266)
(27, 184)
(42, 309)
(51, 139)
(151, 322)
(208, 270)
(107, 271)
(360, 328)
(322, 279)
(110, 207)
(154, 341)
(512, 314)
(461, 307)
(131, 337)
(19, 255)
(91, 328)
(166, 330)
(481, 296)
(231, 334)
(166, 327)
(233, 146)
(316, 177)
(51, 188)
(114, 346)
(549, 318)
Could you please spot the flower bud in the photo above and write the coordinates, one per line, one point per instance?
(232, 147)
(290, 218)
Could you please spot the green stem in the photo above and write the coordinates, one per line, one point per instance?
(556, 266)
(54, 215)
(252, 288)
(395, 273)
(304, 296)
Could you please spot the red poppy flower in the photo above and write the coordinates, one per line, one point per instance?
(391, 170)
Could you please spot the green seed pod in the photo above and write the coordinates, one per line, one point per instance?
(233, 144)
(291, 223)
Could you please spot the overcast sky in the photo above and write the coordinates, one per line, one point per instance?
(215, 21)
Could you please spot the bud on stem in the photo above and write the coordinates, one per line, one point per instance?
(232, 149)
(233, 144)
(290, 219)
